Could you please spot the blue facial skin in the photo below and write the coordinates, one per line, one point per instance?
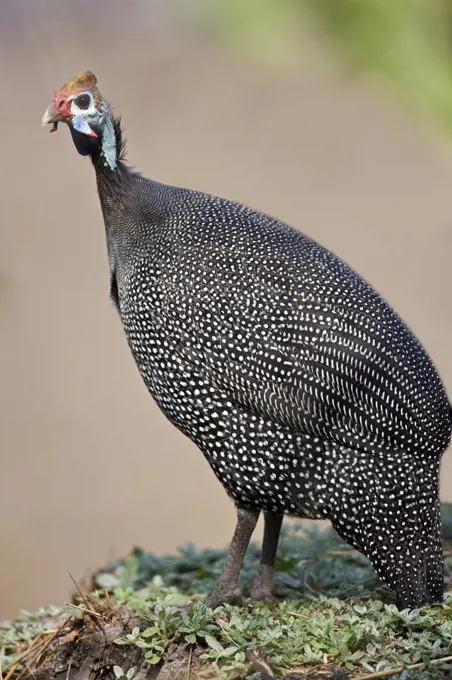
(89, 131)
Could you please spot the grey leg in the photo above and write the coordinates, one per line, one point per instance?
(226, 589)
(262, 590)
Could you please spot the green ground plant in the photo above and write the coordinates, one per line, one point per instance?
(332, 612)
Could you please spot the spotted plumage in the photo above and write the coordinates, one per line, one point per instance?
(305, 391)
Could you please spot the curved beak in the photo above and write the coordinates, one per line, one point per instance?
(50, 116)
(54, 114)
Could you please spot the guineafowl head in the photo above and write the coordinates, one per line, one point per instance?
(81, 106)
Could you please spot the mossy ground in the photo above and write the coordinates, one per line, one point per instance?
(344, 624)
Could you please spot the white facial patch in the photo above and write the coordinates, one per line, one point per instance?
(88, 111)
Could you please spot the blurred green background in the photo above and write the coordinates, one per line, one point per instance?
(404, 45)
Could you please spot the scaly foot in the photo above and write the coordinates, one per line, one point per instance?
(225, 596)
(261, 594)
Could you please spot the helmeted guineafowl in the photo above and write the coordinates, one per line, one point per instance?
(304, 390)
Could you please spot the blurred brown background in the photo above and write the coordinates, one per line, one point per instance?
(88, 466)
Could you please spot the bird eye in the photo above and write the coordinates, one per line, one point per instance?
(83, 101)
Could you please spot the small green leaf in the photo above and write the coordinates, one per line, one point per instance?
(228, 652)
(142, 644)
(152, 657)
(360, 609)
(184, 617)
(213, 643)
(107, 581)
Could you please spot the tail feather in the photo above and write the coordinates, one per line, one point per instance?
(388, 508)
